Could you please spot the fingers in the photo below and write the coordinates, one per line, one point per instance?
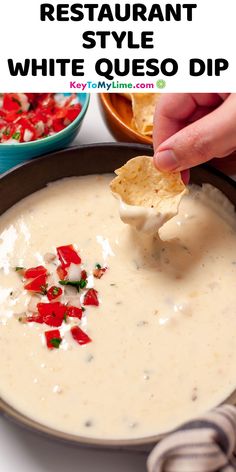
(185, 174)
(176, 110)
(214, 135)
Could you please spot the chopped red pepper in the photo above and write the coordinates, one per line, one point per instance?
(74, 312)
(67, 255)
(54, 292)
(36, 318)
(91, 297)
(35, 272)
(37, 285)
(80, 336)
(53, 313)
(61, 272)
(53, 338)
(84, 275)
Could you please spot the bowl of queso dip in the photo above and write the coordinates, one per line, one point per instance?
(108, 336)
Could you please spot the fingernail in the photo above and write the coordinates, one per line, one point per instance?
(166, 160)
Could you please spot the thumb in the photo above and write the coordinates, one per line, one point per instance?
(211, 136)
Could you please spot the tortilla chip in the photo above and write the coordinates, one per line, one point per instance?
(126, 95)
(139, 183)
(143, 105)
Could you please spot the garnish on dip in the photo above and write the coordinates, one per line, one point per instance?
(53, 338)
(148, 198)
(80, 336)
(54, 308)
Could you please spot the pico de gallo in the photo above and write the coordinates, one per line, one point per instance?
(54, 308)
(27, 117)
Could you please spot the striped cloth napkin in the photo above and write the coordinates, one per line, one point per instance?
(207, 444)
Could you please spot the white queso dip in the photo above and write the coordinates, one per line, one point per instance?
(163, 338)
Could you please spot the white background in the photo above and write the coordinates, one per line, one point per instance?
(209, 35)
(21, 451)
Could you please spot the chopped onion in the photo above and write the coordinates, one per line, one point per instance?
(39, 128)
(24, 101)
(74, 272)
(32, 305)
(28, 135)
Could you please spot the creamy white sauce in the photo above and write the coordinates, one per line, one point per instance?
(147, 220)
(164, 334)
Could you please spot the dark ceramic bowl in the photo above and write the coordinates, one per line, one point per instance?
(97, 158)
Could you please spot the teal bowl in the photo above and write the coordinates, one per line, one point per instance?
(14, 154)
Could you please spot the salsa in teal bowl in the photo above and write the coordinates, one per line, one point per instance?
(12, 154)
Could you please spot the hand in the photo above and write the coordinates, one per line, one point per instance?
(192, 128)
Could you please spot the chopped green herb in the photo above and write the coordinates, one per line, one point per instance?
(83, 283)
(55, 291)
(55, 342)
(82, 308)
(44, 289)
(6, 132)
(16, 135)
(78, 284)
(65, 318)
(11, 293)
(18, 268)
(98, 266)
(19, 112)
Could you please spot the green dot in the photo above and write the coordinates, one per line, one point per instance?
(161, 84)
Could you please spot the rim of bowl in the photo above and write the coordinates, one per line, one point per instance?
(104, 97)
(59, 133)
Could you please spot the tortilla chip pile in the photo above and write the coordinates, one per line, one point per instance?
(143, 106)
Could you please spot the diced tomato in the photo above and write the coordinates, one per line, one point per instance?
(11, 102)
(68, 255)
(98, 272)
(30, 96)
(61, 272)
(11, 116)
(53, 313)
(34, 272)
(36, 318)
(53, 338)
(32, 116)
(37, 285)
(80, 336)
(74, 312)
(73, 112)
(54, 292)
(26, 125)
(39, 116)
(57, 125)
(91, 297)
(84, 275)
